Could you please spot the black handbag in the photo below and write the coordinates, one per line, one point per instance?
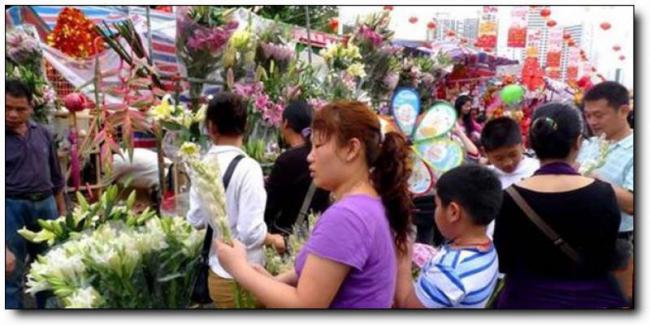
(201, 292)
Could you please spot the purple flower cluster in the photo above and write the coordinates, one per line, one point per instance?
(211, 39)
(21, 47)
(277, 52)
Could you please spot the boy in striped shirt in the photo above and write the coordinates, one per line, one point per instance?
(463, 274)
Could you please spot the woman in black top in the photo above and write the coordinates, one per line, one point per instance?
(289, 180)
(581, 210)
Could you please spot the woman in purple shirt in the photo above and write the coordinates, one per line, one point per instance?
(350, 258)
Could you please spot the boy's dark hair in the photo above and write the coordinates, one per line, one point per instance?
(499, 133)
(298, 115)
(554, 130)
(228, 112)
(615, 94)
(17, 88)
(475, 188)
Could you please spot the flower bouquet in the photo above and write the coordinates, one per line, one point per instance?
(24, 61)
(179, 123)
(202, 35)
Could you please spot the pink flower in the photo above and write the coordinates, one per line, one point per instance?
(261, 101)
(317, 103)
(370, 35)
(277, 52)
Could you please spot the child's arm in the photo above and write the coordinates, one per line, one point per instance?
(405, 293)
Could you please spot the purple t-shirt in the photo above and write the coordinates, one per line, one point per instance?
(355, 232)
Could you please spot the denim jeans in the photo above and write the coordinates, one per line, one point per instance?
(19, 214)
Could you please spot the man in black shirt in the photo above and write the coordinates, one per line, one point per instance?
(288, 184)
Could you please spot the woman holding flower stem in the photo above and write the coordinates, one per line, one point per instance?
(244, 198)
(349, 260)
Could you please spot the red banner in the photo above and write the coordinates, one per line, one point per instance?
(518, 29)
(487, 28)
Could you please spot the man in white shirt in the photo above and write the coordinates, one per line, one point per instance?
(502, 144)
(245, 195)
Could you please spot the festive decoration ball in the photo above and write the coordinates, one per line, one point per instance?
(512, 94)
(545, 12)
(75, 102)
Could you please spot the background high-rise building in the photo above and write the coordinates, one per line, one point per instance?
(577, 35)
(537, 35)
(470, 29)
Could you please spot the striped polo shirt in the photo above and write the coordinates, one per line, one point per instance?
(458, 278)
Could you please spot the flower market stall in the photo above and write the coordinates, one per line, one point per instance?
(127, 71)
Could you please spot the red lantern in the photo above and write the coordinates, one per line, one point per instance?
(571, 43)
(413, 20)
(605, 26)
(545, 12)
(333, 24)
(616, 48)
(388, 8)
(622, 57)
(451, 33)
(593, 69)
(551, 23)
(566, 37)
(431, 25)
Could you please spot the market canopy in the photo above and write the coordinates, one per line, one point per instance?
(458, 53)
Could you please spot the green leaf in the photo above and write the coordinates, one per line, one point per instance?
(82, 201)
(171, 126)
(131, 200)
(171, 277)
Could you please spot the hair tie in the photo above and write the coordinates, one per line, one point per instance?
(306, 132)
(548, 121)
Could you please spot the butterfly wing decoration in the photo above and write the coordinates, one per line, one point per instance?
(434, 152)
(432, 143)
(405, 108)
